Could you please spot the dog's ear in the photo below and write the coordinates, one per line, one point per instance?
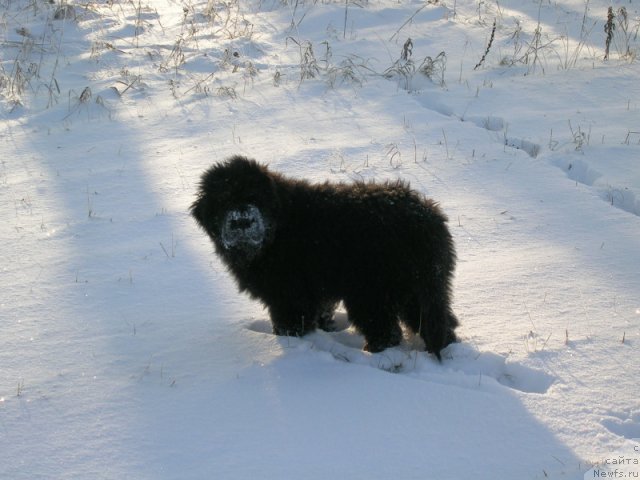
(204, 216)
(197, 211)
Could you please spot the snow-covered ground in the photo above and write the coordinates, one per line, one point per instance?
(125, 350)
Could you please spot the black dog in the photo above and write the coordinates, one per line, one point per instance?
(382, 249)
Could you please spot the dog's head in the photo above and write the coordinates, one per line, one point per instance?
(237, 206)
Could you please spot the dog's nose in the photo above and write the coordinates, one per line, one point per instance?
(241, 223)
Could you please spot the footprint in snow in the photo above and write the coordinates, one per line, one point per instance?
(624, 424)
(462, 364)
(497, 124)
(489, 123)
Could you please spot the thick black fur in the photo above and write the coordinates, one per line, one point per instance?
(300, 248)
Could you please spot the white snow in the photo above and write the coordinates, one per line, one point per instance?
(125, 349)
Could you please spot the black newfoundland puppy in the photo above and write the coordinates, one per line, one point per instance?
(300, 248)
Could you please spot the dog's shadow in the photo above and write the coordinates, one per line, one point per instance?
(462, 364)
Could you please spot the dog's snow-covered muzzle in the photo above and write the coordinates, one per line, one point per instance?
(243, 227)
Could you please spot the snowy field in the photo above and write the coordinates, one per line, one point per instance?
(125, 349)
